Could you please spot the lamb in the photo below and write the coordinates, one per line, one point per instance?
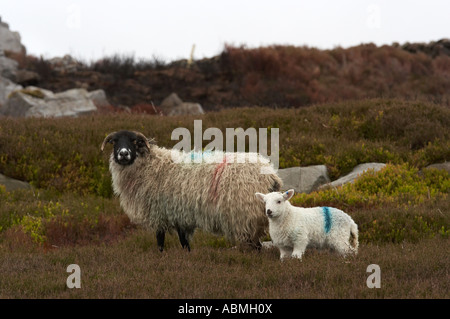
(164, 195)
(293, 229)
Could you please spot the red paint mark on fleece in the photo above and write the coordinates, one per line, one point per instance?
(213, 191)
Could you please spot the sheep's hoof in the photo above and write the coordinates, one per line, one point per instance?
(187, 246)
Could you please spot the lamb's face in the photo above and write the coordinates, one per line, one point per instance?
(127, 146)
(275, 202)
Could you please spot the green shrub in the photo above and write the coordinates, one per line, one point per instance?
(52, 218)
(400, 184)
(64, 154)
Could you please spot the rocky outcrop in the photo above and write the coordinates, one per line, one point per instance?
(98, 97)
(172, 105)
(8, 67)
(66, 64)
(354, 174)
(12, 184)
(186, 108)
(311, 178)
(37, 102)
(6, 88)
(31, 101)
(9, 40)
(445, 166)
(304, 179)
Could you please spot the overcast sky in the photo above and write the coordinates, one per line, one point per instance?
(168, 29)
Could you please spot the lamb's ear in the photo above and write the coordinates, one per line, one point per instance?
(261, 197)
(288, 194)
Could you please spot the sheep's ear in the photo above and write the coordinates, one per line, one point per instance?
(108, 139)
(288, 194)
(142, 140)
(261, 197)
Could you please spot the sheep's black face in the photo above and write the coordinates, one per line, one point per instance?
(127, 146)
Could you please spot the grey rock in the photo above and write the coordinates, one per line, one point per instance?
(24, 76)
(10, 40)
(170, 102)
(66, 64)
(186, 108)
(37, 102)
(8, 68)
(12, 184)
(73, 102)
(304, 179)
(98, 97)
(6, 87)
(444, 166)
(172, 105)
(354, 174)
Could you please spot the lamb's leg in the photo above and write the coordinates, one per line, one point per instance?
(183, 236)
(160, 235)
(299, 248)
(285, 252)
(343, 248)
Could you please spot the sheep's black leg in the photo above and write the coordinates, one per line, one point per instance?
(183, 239)
(160, 235)
(254, 244)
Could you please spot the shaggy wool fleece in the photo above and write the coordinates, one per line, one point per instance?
(162, 193)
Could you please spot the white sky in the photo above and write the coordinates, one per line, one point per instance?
(167, 29)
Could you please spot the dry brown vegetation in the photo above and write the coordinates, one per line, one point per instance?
(133, 268)
(273, 76)
(364, 104)
(72, 216)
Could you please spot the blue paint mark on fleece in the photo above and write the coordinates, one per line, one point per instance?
(196, 155)
(327, 215)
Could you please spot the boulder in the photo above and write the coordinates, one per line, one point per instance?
(26, 78)
(37, 102)
(6, 87)
(354, 174)
(172, 105)
(304, 179)
(66, 64)
(444, 166)
(99, 98)
(9, 40)
(8, 67)
(170, 102)
(21, 101)
(12, 184)
(186, 108)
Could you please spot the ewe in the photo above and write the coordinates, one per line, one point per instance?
(164, 195)
(293, 229)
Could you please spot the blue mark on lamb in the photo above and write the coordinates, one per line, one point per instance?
(327, 215)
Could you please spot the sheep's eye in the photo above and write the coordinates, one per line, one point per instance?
(279, 202)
